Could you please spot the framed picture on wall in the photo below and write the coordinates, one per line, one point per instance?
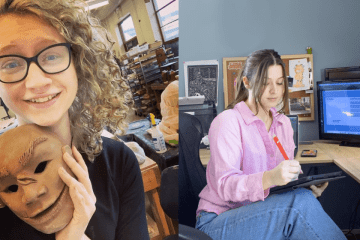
(201, 79)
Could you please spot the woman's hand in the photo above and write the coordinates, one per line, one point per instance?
(81, 194)
(282, 174)
(318, 189)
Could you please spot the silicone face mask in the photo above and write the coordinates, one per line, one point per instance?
(29, 181)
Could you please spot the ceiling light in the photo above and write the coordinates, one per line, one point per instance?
(96, 4)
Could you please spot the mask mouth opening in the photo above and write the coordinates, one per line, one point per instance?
(51, 210)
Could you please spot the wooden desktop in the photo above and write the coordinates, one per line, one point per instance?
(346, 158)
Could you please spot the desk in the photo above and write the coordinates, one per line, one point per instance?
(152, 178)
(346, 158)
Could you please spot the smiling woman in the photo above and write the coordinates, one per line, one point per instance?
(55, 76)
(97, 75)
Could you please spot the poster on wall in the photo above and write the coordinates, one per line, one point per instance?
(299, 72)
(201, 79)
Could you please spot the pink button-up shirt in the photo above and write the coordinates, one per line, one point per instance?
(241, 150)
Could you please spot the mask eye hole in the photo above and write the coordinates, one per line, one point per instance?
(12, 188)
(41, 167)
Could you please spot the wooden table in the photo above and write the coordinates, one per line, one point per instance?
(346, 158)
(152, 178)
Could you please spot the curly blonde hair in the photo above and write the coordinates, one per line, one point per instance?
(103, 97)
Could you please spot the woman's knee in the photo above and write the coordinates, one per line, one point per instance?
(304, 200)
(304, 193)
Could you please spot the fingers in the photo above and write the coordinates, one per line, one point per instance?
(318, 190)
(79, 158)
(295, 170)
(84, 207)
(75, 187)
(79, 172)
(323, 186)
(79, 168)
(315, 191)
(83, 203)
(294, 163)
(68, 179)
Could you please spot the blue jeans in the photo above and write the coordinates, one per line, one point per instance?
(291, 215)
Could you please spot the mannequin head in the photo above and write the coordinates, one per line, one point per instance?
(29, 181)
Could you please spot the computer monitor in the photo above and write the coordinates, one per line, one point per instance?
(339, 111)
(294, 119)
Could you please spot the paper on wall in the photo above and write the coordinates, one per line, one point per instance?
(299, 71)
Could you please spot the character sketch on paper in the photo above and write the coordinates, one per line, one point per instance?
(299, 72)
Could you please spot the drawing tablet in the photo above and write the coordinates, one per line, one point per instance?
(307, 181)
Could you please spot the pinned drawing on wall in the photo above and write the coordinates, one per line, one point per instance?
(299, 72)
(202, 78)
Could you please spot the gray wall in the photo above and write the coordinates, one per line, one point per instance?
(213, 29)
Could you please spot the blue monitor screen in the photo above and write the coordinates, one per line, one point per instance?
(339, 108)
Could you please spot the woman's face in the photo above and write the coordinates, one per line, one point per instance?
(274, 88)
(26, 36)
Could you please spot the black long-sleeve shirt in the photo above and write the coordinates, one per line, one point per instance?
(120, 207)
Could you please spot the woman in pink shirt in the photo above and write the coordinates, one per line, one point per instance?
(245, 163)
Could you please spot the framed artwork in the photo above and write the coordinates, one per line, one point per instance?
(305, 97)
(201, 79)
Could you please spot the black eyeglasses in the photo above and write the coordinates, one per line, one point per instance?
(53, 59)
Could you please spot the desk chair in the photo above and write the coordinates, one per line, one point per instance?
(192, 174)
(169, 192)
(294, 119)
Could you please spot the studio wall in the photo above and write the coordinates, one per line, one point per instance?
(213, 29)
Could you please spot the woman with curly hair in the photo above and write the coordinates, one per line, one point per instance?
(54, 73)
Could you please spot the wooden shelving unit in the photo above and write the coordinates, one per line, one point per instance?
(146, 68)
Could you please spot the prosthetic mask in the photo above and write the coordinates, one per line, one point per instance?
(29, 181)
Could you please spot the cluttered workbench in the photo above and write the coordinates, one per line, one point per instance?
(138, 132)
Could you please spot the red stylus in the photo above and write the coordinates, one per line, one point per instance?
(278, 144)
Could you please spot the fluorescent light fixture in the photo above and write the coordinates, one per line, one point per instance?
(96, 4)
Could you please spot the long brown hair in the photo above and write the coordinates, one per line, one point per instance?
(256, 70)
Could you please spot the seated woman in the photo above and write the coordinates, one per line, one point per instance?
(245, 163)
(54, 74)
